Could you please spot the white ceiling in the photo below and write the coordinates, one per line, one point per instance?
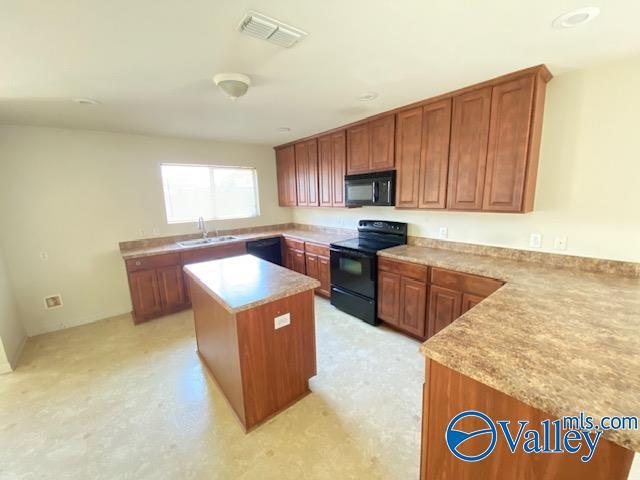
(150, 61)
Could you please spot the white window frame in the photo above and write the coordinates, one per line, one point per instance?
(207, 219)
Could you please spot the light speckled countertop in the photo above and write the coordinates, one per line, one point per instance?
(243, 282)
(173, 247)
(560, 340)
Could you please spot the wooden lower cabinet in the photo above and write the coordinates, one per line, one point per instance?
(444, 307)
(311, 259)
(311, 263)
(158, 285)
(299, 262)
(145, 295)
(421, 301)
(324, 276)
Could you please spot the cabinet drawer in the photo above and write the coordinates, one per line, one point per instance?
(316, 248)
(293, 243)
(213, 253)
(464, 282)
(152, 261)
(411, 270)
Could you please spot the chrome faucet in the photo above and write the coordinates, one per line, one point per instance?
(202, 227)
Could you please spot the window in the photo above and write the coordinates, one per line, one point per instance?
(211, 192)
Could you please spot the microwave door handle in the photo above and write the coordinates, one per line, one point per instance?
(376, 191)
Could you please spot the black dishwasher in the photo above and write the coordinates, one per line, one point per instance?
(268, 249)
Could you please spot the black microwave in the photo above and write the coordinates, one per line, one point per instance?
(370, 189)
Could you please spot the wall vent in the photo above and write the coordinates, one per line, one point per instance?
(269, 29)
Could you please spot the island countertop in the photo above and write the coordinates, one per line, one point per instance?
(243, 282)
(561, 340)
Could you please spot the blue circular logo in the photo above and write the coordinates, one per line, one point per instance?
(455, 438)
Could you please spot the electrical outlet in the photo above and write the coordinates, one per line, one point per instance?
(282, 320)
(156, 231)
(53, 301)
(535, 240)
(560, 243)
(443, 232)
(44, 256)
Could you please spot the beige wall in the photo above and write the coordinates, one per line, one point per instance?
(588, 183)
(76, 194)
(12, 333)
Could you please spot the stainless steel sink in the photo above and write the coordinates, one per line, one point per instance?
(206, 241)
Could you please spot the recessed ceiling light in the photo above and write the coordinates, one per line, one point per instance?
(283, 129)
(367, 96)
(86, 101)
(576, 17)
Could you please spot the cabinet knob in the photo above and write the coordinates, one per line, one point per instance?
(138, 263)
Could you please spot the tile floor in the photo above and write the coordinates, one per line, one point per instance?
(112, 401)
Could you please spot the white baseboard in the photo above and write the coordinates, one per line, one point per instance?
(14, 358)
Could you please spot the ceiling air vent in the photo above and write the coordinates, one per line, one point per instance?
(260, 26)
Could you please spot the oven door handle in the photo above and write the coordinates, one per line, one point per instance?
(349, 253)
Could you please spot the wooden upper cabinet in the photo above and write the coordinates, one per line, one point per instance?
(382, 143)
(408, 148)
(508, 150)
(358, 148)
(332, 157)
(306, 155)
(422, 155)
(434, 159)
(286, 174)
(468, 149)
(339, 149)
(325, 171)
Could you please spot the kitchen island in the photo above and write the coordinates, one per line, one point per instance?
(255, 332)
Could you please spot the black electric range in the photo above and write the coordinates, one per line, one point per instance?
(354, 267)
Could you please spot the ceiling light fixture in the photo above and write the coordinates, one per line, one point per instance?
(233, 85)
(86, 101)
(283, 129)
(367, 96)
(576, 17)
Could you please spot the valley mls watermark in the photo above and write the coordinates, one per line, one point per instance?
(566, 435)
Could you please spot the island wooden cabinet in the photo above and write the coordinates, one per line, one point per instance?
(286, 176)
(371, 145)
(422, 155)
(332, 164)
(306, 155)
(421, 301)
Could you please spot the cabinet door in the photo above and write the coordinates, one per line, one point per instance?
(389, 297)
(324, 275)
(408, 146)
(468, 154)
(311, 264)
(508, 151)
(287, 257)
(413, 305)
(145, 294)
(469, 301)
(325, 171)
(171, 286)
(434, 158)
(312, 172)
(302, 174)
(358, 149)
(382, 143)
(299, 262)
(339, 157)
(286, 174)
(444, 307)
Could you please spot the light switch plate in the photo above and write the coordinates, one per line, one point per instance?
(282, 320)
(535, 240)
(560, 243)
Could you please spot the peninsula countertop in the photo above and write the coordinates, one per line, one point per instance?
(324, 238)
(560, 340)
(243, 282)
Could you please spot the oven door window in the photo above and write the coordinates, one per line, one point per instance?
(350, 265)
